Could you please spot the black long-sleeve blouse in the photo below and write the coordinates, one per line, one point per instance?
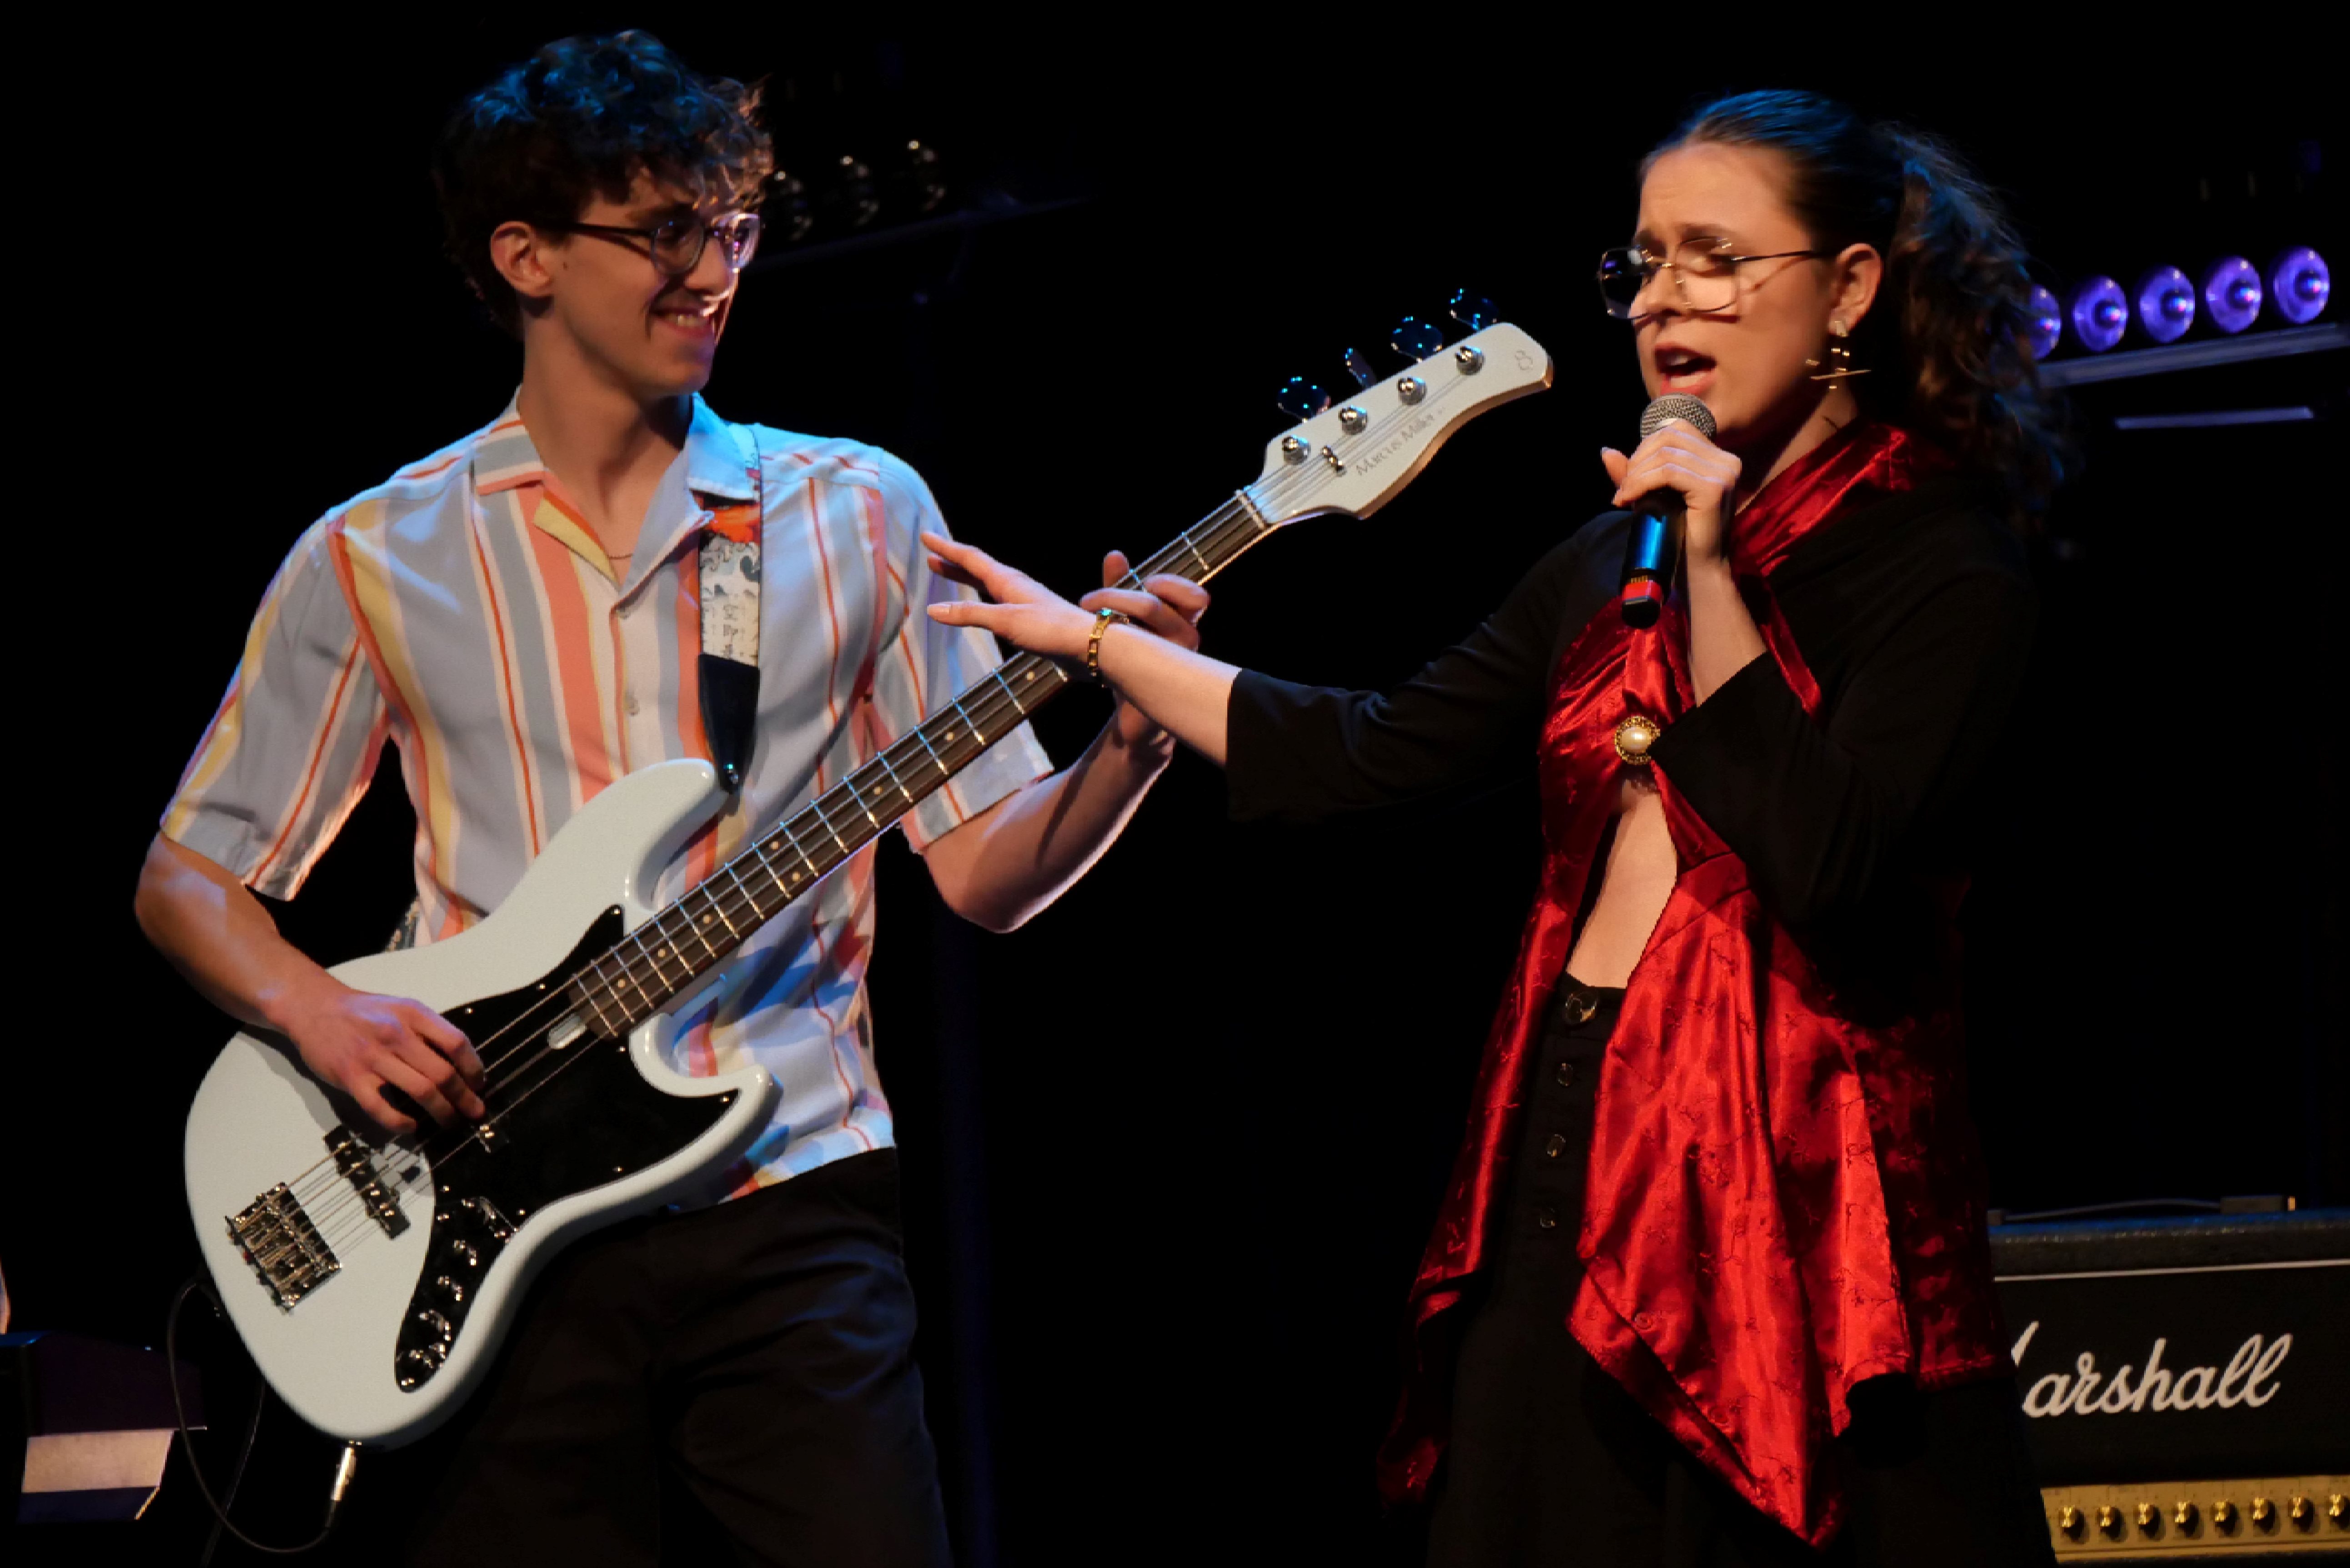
(1913, 614)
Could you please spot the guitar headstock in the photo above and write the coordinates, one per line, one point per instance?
(1354, 456)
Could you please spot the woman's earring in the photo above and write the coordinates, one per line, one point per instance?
(1840, 368)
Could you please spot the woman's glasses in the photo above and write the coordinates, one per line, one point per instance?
(677, 244)
(1704, 277)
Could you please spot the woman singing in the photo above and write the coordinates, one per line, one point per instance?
(1710, 1283)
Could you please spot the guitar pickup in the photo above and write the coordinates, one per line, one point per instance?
(356, 1162)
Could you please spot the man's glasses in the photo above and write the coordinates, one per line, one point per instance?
(676, 246)
(1704, 277)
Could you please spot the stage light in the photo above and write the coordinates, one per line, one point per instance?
(2099, 314)
(2231, 293)
(2299, 283)
(2166, 304)
(2044, 324)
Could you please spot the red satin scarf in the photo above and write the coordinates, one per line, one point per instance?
(1782, 1201)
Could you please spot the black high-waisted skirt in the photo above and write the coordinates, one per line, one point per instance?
(1551, 1462)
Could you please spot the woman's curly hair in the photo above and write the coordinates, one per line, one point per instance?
(580, 118)
(1946, 334)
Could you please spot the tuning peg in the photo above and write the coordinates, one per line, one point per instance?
(1359, 367)
(1415, 339)
(1300, 400)
(1474, 311)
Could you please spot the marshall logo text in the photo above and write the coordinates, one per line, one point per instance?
(2248, 1380)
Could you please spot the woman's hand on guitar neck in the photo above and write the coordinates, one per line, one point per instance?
(1162, 681)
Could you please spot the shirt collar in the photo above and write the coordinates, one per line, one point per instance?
(719, 466)
(719, 461)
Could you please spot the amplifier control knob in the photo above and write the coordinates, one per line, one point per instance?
(2072, 1522)
(2302, 1513)
(2263, 1513)
(2149, 1519)
(2184, 1516)
(2337, 1508)
(2109, 1520)
(2223, 1516)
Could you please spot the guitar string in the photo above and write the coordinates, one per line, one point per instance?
(1280, 489)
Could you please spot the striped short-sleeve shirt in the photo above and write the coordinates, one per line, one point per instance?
(465, 612)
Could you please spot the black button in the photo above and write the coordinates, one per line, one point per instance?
(1546, 1218)
(1577, 1007)
(1566, 1075)
(1556, 1145)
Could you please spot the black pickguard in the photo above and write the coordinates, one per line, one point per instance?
(594, 1121)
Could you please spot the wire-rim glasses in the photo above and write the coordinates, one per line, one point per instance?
(676, 244)
(1705, 277)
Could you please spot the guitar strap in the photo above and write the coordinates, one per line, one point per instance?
(729, 665)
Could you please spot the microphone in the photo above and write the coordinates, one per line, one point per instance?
(1652, 553)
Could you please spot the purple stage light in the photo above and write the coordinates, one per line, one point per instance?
(2166, 304)
(2043, 323)
(2299, 283)
(2099, 314)
(2231, 293)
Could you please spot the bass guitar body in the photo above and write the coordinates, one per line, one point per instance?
(373, 1278)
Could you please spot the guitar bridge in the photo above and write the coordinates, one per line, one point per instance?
(356, 1162)
(285, 1249)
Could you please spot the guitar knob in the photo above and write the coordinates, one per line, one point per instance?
(1474, 311)
(1300, 400)
(1415, 339)
(454, 1290)
(1359, 367)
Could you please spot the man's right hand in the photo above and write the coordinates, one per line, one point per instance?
(360, 1043)
(214, 931)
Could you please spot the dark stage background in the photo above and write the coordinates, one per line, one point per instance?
(1171, 1149)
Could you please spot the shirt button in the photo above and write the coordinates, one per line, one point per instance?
(1546, 1218)
(1556, 1145)
(632, 704)
(1566, 1069)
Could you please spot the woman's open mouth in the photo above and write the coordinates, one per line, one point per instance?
(1683, 371)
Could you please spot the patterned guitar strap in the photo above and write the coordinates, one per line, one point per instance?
(729, 665)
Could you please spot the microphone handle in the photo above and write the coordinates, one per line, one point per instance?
(1652, 554)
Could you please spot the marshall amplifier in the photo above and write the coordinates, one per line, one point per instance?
(2186, 1382)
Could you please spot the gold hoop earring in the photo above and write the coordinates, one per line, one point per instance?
(1840, 365)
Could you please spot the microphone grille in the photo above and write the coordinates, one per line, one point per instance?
(1677, 405)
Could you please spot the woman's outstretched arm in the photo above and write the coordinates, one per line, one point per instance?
(1184, 692)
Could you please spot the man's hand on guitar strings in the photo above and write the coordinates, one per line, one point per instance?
(363, 1044)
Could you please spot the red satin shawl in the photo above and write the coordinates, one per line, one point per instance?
(1782, 1201)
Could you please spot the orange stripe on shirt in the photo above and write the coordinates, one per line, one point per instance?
(497, 618)
(310, 773)
(583, 714)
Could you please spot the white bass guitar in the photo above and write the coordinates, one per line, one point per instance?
(372, 1279)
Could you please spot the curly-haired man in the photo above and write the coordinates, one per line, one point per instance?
(520, 614)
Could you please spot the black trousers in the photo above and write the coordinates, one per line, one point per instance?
(1551, 1462)
(749, 1364)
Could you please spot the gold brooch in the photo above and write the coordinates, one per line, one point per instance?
(1634, 736)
